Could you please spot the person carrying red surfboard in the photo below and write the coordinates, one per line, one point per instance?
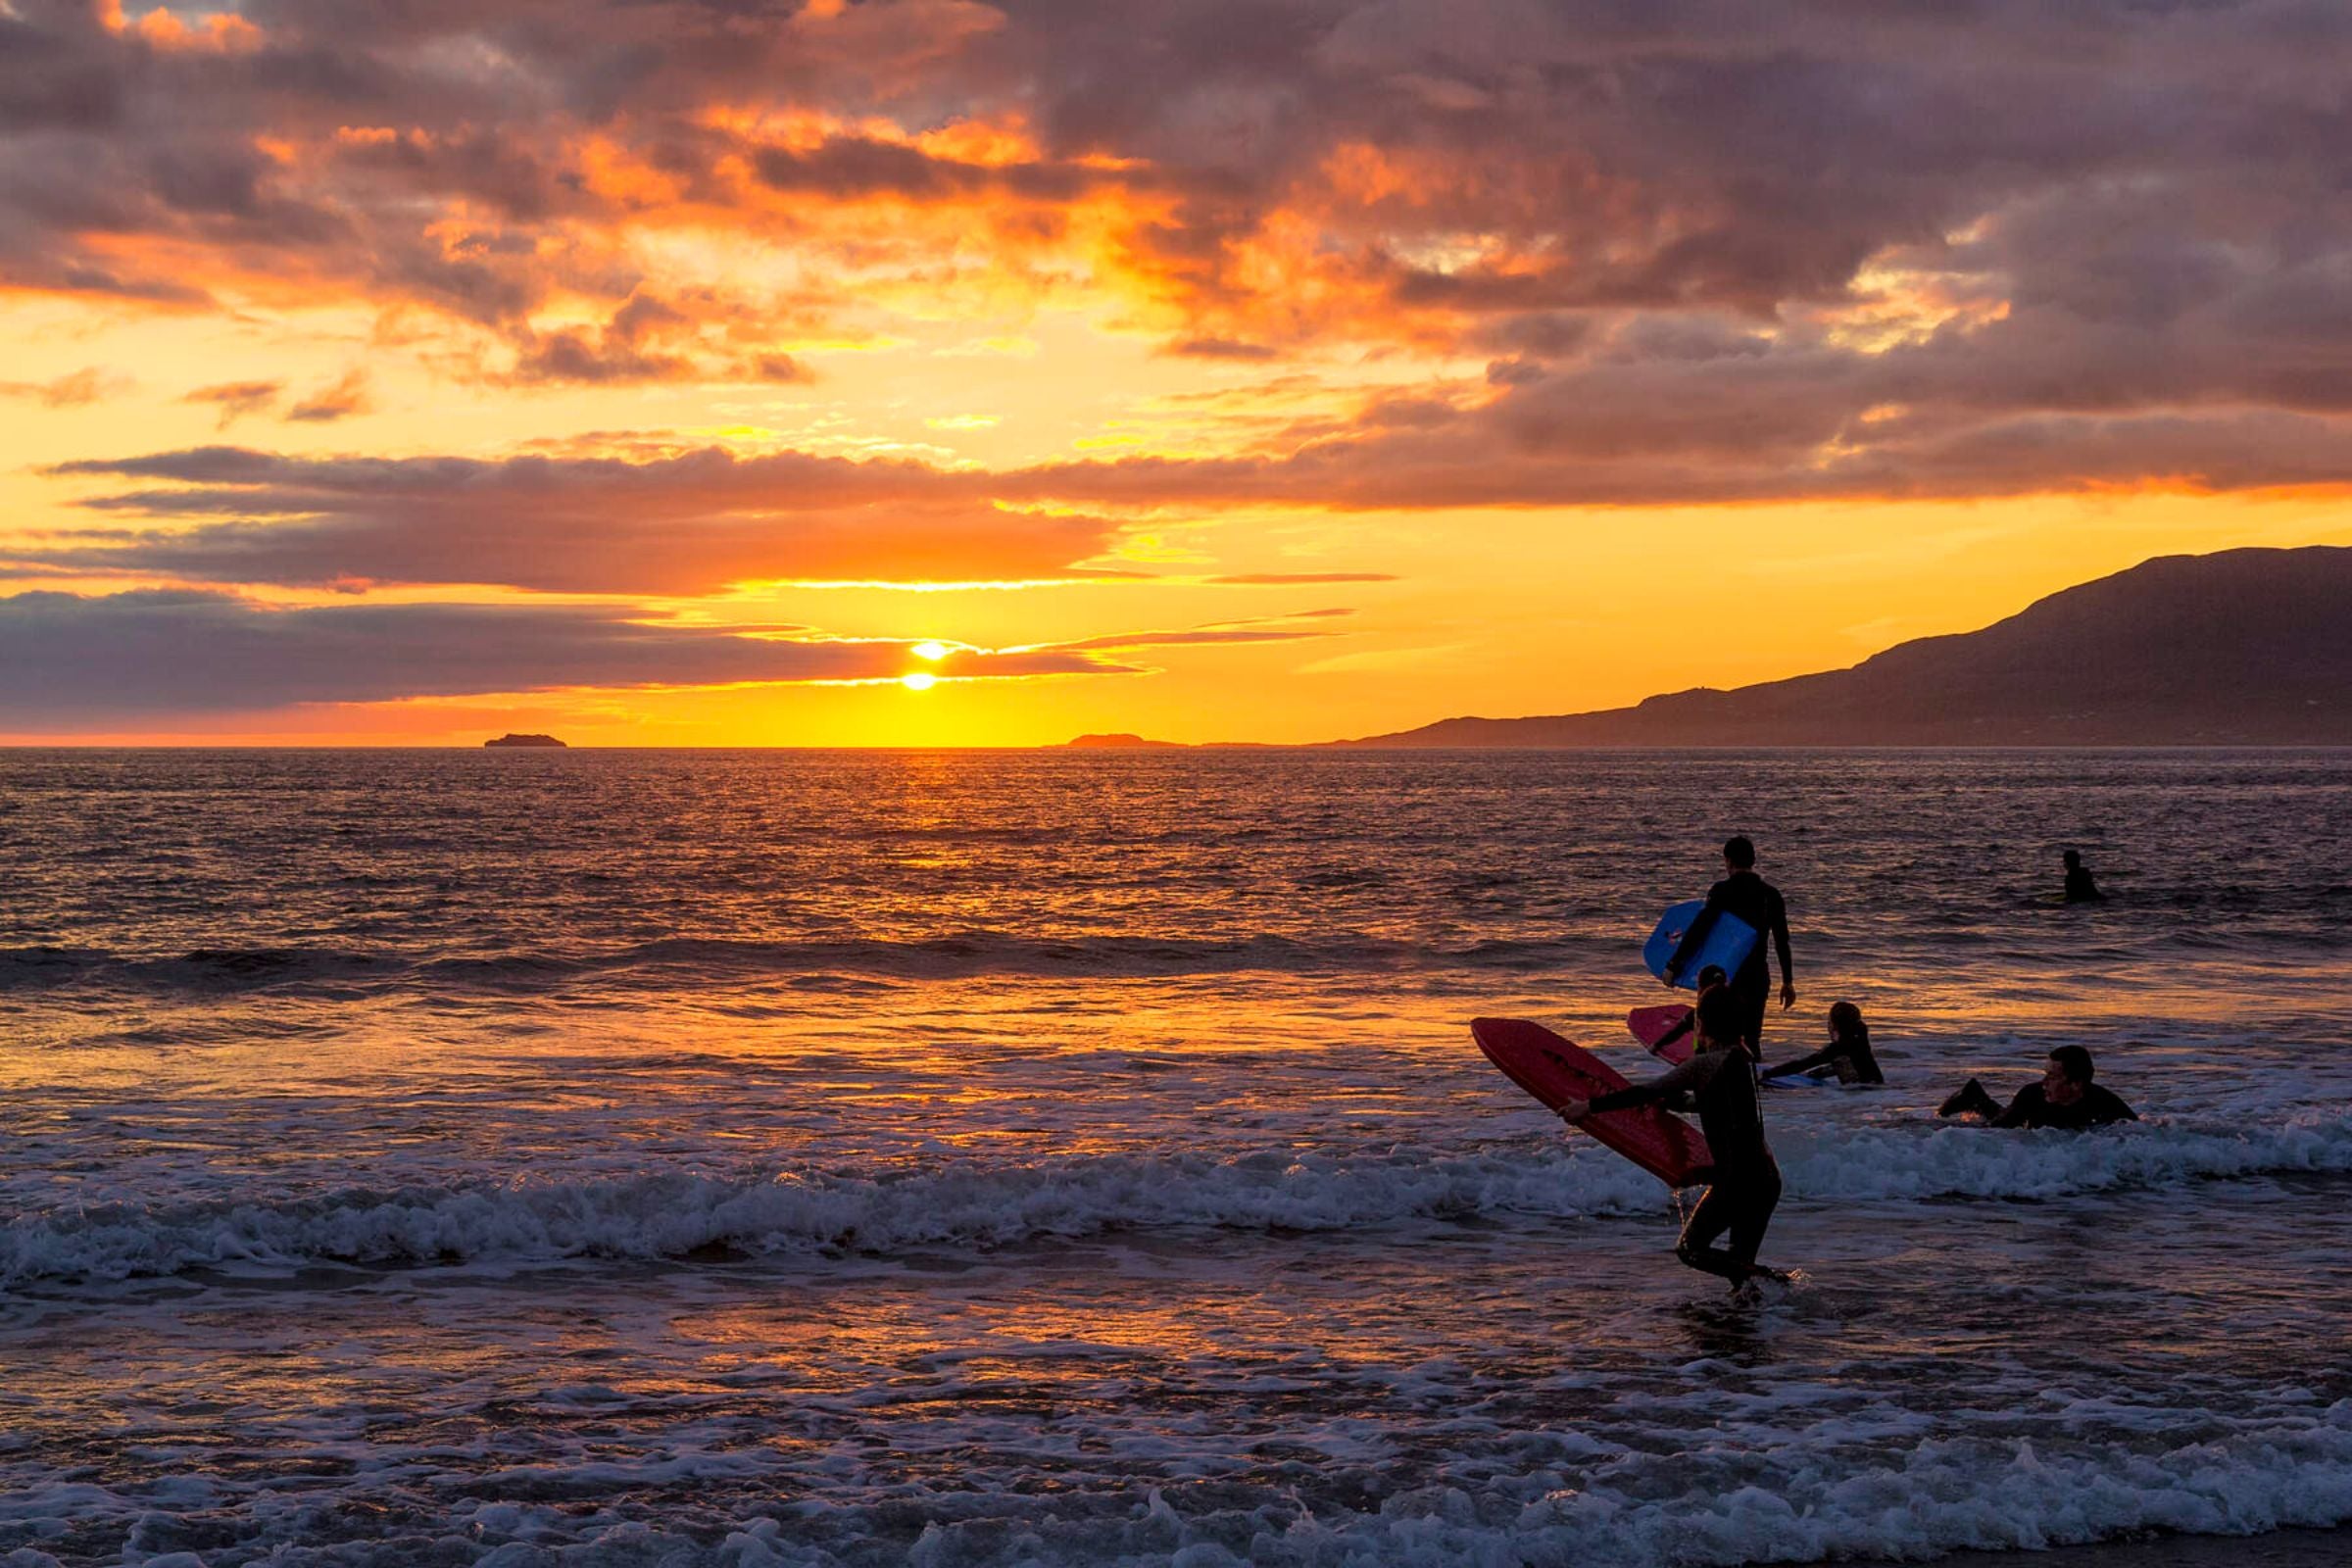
(1744, 893)
(1744, 1183)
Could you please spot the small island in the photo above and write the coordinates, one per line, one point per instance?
(1121, 743)
(512, 739)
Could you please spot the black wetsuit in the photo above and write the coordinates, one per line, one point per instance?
(1851, 1059)
(1759, 904)
(1744, 1183)
(2033, 1108)
(2081, 889)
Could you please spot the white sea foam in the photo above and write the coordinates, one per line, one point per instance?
(971, 1205)
(1923, 1160)
(1804, 1501)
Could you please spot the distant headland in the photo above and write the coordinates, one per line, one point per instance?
(2239, 648)
(512, 739)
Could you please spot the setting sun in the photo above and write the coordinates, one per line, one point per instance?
(919, 680)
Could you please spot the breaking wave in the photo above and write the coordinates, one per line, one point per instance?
(976, 1206)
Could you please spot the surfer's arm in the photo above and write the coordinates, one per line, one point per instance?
(1819, 1059)
(1694, 940)
(1691, 1075)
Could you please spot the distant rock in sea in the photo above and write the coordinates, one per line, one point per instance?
(512, 739)
(1122, 743)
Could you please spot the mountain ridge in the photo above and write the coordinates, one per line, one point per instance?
(2240, 647)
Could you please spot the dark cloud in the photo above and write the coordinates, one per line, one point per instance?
(1196, 637)
(79, 662)
(852, 168)
(576, 356)
(686, 525)
(1222, 348)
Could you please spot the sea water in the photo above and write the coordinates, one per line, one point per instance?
(538, 1157)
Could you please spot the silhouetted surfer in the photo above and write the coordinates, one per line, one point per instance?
(2065, 1097)
(2080, 887)
(1757, 901)
(1847, 1055)
(1744, 1180)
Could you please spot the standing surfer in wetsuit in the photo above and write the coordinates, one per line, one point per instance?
(1745, 1181)
(1757, 901)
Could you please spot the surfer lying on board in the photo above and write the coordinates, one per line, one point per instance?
(2065, 1097)
(1745, 1181)
(1847, 1055)
(1757, 901)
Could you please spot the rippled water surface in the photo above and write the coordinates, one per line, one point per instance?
(544, 1158)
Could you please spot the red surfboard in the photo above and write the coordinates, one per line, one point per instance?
(1652, 1026)
(1556, 1071)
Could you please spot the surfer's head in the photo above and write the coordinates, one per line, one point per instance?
(1711, 975)
(1718, 1019)
(2074, 1061)
(1845, 1022)
(2073, 858)
(2068, 1075)
(1738, 853)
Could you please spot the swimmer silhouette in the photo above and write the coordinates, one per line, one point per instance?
(2080, 887)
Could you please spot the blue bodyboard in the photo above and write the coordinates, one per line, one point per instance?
(1729, 943)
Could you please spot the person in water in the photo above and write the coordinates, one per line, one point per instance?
(1847, 1055)
(2065, 1097)
(2080, 887)
(1757, 901)
(1745, 1181)
(1708, 979)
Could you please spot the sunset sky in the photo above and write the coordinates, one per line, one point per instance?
(667, 372)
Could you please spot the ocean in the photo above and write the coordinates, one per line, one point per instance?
(1032, 1158)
